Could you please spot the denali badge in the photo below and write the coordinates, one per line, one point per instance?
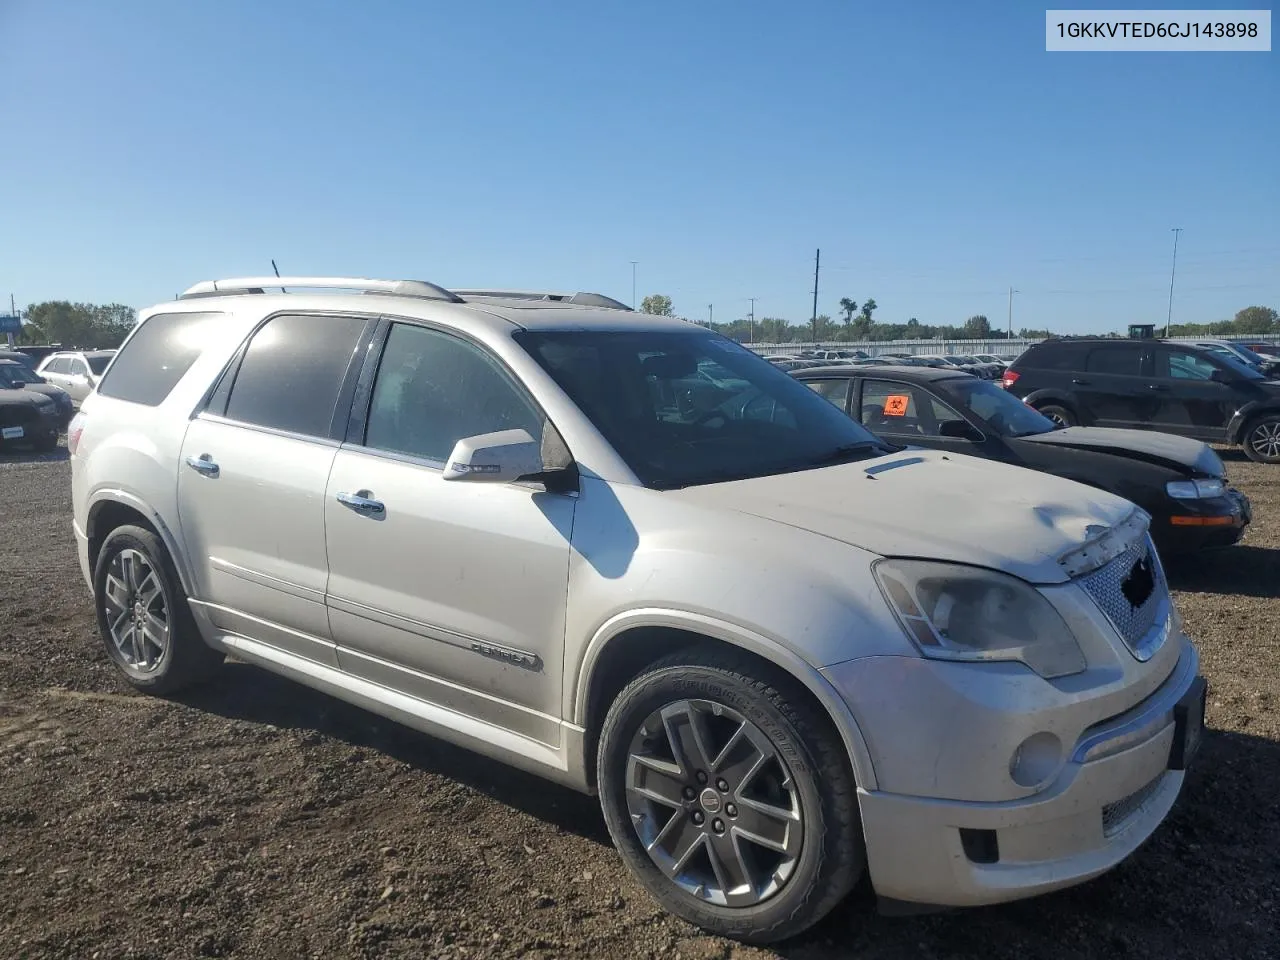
(1137, 586)
(517, 658)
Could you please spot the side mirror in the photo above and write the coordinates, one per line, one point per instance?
(959, 430)
(495, 457)
(1221, 376)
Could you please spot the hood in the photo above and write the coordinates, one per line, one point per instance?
(52, 391)
(934, 505)
(1163, 449)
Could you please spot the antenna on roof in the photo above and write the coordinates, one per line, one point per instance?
(277, 270)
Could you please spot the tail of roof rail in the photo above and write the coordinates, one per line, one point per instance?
(581, 298)
(243, 285)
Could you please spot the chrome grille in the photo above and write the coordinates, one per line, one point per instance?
(1143, 627)
(1116, 815)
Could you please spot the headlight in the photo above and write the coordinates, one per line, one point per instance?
(954, 612)
(1195, 489)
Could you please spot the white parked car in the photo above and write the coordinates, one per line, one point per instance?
(782, 652)
(77, 372)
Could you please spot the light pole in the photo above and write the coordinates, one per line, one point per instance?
(711, 313)
(633, 284)
(1172, 273)
(1011, 293)
(751, 321)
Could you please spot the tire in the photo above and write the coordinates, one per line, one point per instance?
(813, 861)
(1261, 439)
(1059, 414)
(153, 660)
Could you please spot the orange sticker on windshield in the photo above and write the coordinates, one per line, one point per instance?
(895, 405)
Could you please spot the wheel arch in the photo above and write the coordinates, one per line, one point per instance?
(1246, 415)
(113, 508)
(628, 643)
(1038, 398)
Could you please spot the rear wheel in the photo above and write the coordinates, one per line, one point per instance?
(1059, 415)
(143, 615)
(1262, 440)
(729, 796)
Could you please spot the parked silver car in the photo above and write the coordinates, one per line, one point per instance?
(781, 651)
(78, 371)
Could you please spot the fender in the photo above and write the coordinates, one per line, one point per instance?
(117, 495)
(738, 636)
(1240, 419)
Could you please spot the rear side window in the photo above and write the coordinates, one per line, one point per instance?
(1058, 356)
(292, 372)
(1123, 361)
(837, 391)
(157, 356)
(57, 365)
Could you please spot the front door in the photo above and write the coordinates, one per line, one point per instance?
(251, 484)
(449, 591)
(910, 414)
(1190, 402)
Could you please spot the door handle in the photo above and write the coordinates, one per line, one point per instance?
(362, 503)
(1083, 383)
(203, 464)
(1156, 386)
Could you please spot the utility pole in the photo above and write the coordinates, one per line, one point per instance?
(817, 259)
(633, 283)
(1011, 293)
(1172, 273)
(13, 312)
(711, 313)
(751, 321)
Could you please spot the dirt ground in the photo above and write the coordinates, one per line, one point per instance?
(256, 818)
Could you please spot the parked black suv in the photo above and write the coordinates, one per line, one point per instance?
(1151, 385)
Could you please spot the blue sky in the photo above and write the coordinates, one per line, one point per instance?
(934, 151)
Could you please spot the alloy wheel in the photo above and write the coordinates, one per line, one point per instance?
(1265, 439)
(713, 803)
(137, 613)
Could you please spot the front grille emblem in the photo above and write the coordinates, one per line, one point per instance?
(1139, 584)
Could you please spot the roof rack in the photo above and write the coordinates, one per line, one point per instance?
(243, 285)
(582, 298)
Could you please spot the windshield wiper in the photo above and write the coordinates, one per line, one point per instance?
(845, 453)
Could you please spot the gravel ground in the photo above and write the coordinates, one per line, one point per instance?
(256, 818)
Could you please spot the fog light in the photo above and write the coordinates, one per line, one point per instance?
(1036, 760)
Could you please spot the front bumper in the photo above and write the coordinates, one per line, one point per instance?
(1191, 525)
(1118, 784)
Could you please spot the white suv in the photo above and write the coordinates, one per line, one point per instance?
(628, 554)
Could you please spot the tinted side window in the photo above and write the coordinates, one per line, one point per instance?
(1184, 365)
(57, 365)
(837, 391)
(1058, 356)
(78, 369)
(1122, 360)
(157, 356)
(292, 371)
(434, 389)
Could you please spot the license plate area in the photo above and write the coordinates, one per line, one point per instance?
(1188, 729)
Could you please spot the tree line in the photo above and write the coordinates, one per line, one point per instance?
(856, 324)
(87, 326)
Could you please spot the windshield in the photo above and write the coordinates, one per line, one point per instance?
(691, 408)
(15, 374)
(98, 364)
(1000, 410)
(1238, 364)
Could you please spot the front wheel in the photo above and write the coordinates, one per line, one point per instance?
(729, 796)
(1262, 440)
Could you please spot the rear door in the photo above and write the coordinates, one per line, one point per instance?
(1114, 388)
(1189, 402)
(448, 591)
(252, 478)
(78, 383)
